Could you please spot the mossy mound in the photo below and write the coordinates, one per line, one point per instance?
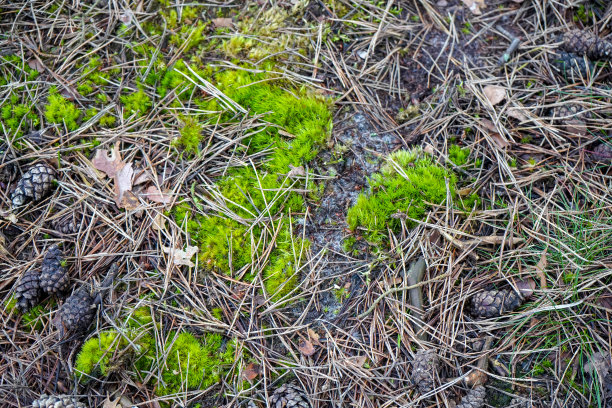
(189, 363)
(408, 183)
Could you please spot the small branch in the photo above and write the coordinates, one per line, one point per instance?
(415, 275)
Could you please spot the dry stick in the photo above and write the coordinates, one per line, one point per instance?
(415, 275)
(400, 289)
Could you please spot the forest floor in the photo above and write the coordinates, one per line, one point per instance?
(266, 176)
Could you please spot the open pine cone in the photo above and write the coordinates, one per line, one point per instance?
(27, 290)
(289, 396)
(57, 401)
(8, 169)
(491, 303)
(53, 277)
(585, 42)
(424, 368)
(33, 185)
(474, 398)
(79, 310)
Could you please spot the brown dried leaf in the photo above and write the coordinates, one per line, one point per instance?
(495, 94)
(36, 65)
(474, 6)
(111, 404)
(108, 164)
(312, 335)
(123, 183)
(153, 194)
(251, 371)
(499, 140)
(129, 201)
(159, 222)
(180, 257)
(517, 114)
(526, 287)
(296, 171)
(222, 22)
(306, 348)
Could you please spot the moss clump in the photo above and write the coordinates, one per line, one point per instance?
(194, 364)
(95, 357)
(227, 239)
(18, 117)
(60, 110)
(137, 103)
(191, 135)
(408, 183)
(458, 155)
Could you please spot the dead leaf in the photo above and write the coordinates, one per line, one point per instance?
(222, 22)
(159, 222)
(111, 404)
(540, 267)
(180, 257)
(306, 348)
(251, 371)
(498, 139)
(495, 94)
(312, 335)
(129, 201)
(427, 148)
(296, 171)
(123, 183)
(358, 361)
(36, 65)
(517, 113)
(474, 6)
(526, 287)
(110, 165)
(153, 194)
(142, 177)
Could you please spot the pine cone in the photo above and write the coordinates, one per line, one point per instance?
(289, 396)
(58, 401)
(424, 367)
(65, 225)
(585, 42)
(35, 183)
(53, 278)
(8, 169)
(77, 313)
(572, 66)
(27, 291)
(602, 152)
(474, 399)
(491, 303)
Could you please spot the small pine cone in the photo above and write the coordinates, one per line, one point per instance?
(57, 401)
(53, 277)
(474, 399)
(8, 168)
(27, 291)
(603, 153)
(424, 368)
(77, 313)
(289, 396)
(66, 225)
(35, 183)
(491, 303)
(585, 42)
(572, 66)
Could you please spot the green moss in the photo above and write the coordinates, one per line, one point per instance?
(408, 182)
(189, 36)
(137, 103)
(194, 364)
(107, 121)
(95, 357)
(18, 118)
(458, 155)
(227, 239)
(59, 110)
(191, 135)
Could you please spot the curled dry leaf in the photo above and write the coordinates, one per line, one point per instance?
(36, 65)
(517, 113)
(296, 171)
(314, 337)
(306, 348)
(180, 257)
(251, 371)
(495, 94)
(123, 183)
(222, 22)
(153, 194)
(498, 139)
(110, 165)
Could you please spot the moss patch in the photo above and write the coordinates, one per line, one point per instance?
(408, 183)
(61, 111)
